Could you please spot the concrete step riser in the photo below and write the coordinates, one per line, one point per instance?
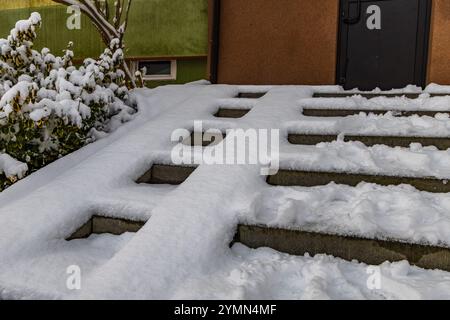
(304, 139)
(231, 113)
(166, 174)
(374, 95)
(251, 95)
(100, 225)
(204, 139)
(373, 252)
(329, 113)
(312, 179)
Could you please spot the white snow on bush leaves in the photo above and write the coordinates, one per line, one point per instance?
(12, 168)
(64, 103)
(73, 111)
(24, 25)
(18, 93)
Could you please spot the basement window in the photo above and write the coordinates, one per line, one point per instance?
(157, 69)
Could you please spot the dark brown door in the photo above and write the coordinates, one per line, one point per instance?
(383, 43)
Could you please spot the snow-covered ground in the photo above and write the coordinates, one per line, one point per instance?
(183, 251)
(267, 274)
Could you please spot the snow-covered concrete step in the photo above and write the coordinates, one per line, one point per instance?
(373, 95)
(391, 141)
(166, 174)
(231, 113)
(101, 224)
(370, 251)
(204, 139)
(251, 95)
(319, 178)
(313, 112)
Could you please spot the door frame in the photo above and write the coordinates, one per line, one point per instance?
(213, 39)
(423, 42)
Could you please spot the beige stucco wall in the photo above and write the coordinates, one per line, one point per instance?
(439, 53)
(278, 41)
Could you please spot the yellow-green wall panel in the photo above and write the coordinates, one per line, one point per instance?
(19, 4)
(156, 28)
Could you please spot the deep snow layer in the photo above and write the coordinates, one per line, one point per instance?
(183, 251)
(423, 102)
(368, 210)
(267, 274)
(373, 125)
(355, 157)
(366, 123)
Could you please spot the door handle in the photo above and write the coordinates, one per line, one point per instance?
(353, 20)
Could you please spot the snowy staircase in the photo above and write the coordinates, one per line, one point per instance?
(371, 251)
(192, 224)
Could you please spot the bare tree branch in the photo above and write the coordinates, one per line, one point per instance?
(107, 10)
(118, 17)
(123, 28)
(99, 14)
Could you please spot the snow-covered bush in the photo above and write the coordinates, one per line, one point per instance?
(48, 106)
